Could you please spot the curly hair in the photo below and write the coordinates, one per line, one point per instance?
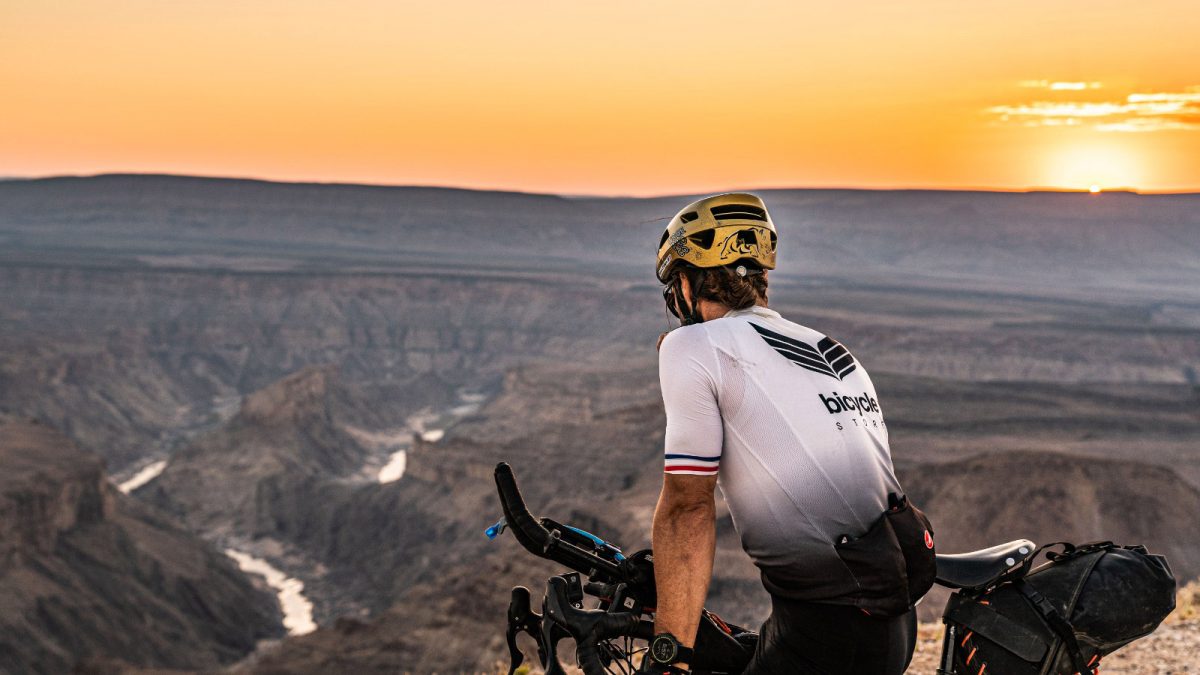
(724, 286)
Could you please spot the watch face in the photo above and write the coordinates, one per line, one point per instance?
(663, 649)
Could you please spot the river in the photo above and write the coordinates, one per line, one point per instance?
(429, 425)
(297, 609)
(143, 476)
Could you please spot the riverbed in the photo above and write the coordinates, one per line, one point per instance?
(143, 476)
(297, 609)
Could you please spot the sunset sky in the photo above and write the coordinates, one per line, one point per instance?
(608, 97)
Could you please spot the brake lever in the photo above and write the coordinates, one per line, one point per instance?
(516, 658)
(552, 633)
(522, 619)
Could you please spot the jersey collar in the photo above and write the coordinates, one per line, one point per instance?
(755, 310)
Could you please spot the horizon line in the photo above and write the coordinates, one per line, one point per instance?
(589, 195)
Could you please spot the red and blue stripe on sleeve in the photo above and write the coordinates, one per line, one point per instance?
(694, 465)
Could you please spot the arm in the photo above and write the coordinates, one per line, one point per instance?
(684, 541)
(684, 534)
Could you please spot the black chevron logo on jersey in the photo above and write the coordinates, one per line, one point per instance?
(829, 357)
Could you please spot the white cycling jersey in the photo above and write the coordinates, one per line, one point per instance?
(790, 423)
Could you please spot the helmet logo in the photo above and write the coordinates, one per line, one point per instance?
(740, 243)
(676, 236)
(663, 267)
(681, 247)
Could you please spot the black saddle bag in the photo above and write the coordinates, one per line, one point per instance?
(1063, 616)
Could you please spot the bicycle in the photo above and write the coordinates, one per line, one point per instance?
(606, 637)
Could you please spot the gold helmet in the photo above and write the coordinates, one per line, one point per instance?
(718, 231)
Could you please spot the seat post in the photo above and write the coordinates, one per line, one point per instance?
(949, 643)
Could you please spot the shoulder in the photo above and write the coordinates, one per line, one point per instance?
(687, 350)
(685, 341)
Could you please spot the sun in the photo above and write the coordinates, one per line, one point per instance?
(1092, 167)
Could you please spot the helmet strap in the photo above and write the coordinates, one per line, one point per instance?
(691, 308)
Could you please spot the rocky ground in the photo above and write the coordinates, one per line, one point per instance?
(1173, 648)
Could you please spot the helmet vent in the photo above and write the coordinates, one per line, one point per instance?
(688, 217)
(662, 241)
(703, 239)
(738, 212)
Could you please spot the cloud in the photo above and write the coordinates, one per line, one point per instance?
(1191, 96)
(1144, 124)
(1137, 113)
(1056, 109)
(1059, 86)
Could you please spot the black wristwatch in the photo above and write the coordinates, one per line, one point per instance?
(666, 650)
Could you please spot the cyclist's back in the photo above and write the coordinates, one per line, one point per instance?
(799, 445)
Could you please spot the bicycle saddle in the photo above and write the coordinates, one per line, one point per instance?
(978, 569)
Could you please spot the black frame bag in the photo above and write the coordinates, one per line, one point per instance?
(894, 564)
(1063, 616)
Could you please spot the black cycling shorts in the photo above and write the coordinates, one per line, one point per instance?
(803, 638)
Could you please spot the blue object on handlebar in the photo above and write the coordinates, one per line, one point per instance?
(496, 530)
(600, 543)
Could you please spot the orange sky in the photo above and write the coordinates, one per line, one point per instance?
(608, 97)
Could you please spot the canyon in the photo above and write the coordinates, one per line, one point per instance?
(250, 359)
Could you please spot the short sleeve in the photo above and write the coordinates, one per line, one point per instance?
(695, 432)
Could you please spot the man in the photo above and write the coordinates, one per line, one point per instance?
(788, 423)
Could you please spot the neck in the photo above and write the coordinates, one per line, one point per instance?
(713, 310)
(710, 310)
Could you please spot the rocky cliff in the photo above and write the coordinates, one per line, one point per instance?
(86, 572)
(1048, 497)
(285, 477)
(284, 439)
(129, 361)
